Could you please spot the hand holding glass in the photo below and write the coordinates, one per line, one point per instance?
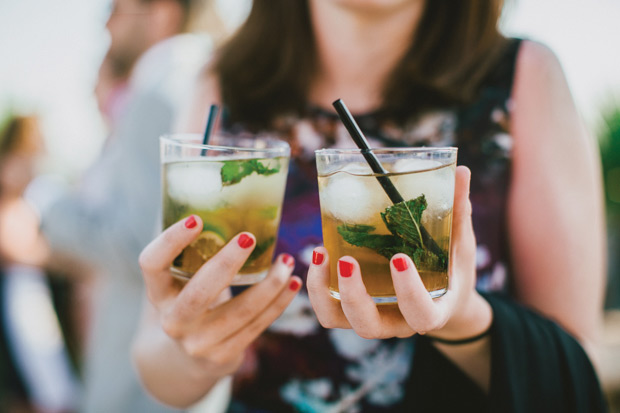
(360, 220)
(235, 184)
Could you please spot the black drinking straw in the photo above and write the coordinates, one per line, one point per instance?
(360, 140)
(387, 185)
(213, 111)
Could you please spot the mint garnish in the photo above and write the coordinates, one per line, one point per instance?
(234, 171)
(403, 220)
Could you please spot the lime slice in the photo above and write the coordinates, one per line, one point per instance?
(208, 244)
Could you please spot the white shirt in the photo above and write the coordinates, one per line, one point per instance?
(111, 230)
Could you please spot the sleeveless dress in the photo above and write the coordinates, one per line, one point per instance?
(297, 365)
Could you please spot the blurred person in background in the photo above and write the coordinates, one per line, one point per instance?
(111, 89)
(32, 334)
(414, 73)
(113, 214)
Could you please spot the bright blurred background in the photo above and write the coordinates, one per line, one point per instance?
(51, 52)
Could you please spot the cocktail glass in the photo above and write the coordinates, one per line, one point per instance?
(234, 184)
(360, 220)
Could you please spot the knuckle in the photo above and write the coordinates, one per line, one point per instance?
(428, 325)
(145, 262)
(167, 237)
(243, 308)
(368, 332)
(468, 207)
(222, 357)
(405, 334)
(224, 262)
(194, 349)
(255, 329)
(171, 327)
(328, 322)
(151, 297)
(405, 296)
(190, 302)
(276, 282)
(312, 284)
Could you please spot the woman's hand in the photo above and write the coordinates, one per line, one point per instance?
(211, 328)
(460, 313)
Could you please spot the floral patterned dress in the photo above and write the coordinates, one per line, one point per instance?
(298, 366)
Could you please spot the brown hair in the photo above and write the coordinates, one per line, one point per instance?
(20, 134)
(265, 69)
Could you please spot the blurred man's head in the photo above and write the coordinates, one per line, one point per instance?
(21, 145)
(136, 25)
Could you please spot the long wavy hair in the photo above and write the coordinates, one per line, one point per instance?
(266, 68)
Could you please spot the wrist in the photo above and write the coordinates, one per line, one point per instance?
(470, 322)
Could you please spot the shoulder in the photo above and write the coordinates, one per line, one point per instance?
(541, 95)
(535, 54)
(538, 71)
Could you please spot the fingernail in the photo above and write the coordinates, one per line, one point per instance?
(288, 259)
(346, 268)
(190, 222)
(400, 264)
(294, 285)
(245, 241)
(317, 258)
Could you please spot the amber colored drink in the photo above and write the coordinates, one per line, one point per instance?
(359, 220)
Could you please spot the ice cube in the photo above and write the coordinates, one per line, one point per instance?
(413, 165)
(195, 183)
(436, 185)
(256, 190)
(353, 199)
(357, 169)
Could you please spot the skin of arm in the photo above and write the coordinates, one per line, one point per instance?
(555, 210)
(555, 214)
(166, 370)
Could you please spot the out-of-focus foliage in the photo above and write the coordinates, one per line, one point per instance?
(610, 157)
(609, 140)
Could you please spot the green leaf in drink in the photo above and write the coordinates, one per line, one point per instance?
(404, 221)
(234, 171)
(261, 248)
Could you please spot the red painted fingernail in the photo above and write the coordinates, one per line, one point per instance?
(288, 259)
(400, 264)
(317, 258)
(294, 285)
(190, 222)
(346, 268)
(245, 241)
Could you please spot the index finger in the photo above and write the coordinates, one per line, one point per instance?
(213, 277)
(156, 258)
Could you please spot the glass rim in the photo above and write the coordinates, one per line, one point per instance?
(182, 139)
(379, 151)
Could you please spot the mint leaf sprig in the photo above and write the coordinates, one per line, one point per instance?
(403, 220)
(234, 171)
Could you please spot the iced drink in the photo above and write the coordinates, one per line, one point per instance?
(359, 219)
(233, 189)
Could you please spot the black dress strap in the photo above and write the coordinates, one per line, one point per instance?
(502, 76)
